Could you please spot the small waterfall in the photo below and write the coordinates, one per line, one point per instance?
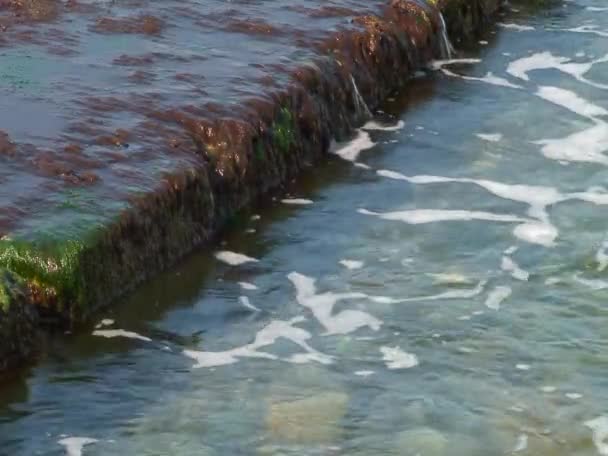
(446, 47)
(360, 104)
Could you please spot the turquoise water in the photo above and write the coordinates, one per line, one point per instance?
(442, 293)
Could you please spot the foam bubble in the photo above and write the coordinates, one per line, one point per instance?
(247, 286)
(395, 358)
(297, 201)
(244, 300)
(523, 367)
(233, 258)
(573, 396)
(497, 296)
(352, 264)
(599, 427)
(373, 125)
(439, 64)
(537, 233)
(104, 322)
(112, 333)
(74, 445)
(545, 60)
(587, 145)
(351, 150)
(490, 137)
(602, 257)
(510, 266)
(570, 101)
(267, 336)
(321, 305)
(489, 78)
(364, 373)
(521, 444)
(422, 216)
(516, 27)
(594, 284)
(548, 389)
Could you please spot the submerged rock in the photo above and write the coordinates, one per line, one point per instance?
(426, 441)
(422, 441)
(312, 420)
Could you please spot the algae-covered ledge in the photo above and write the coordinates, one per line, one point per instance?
(67, 270)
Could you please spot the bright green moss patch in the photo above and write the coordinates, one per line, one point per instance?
(51, 268)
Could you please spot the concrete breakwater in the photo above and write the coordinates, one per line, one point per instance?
(125, 177)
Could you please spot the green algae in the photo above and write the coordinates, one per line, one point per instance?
(5, 298)
(284, 130)
(10, 286)
(52, 268)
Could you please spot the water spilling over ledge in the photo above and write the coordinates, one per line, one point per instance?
(130, 138)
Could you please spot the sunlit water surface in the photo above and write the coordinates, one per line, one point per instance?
(442, 292)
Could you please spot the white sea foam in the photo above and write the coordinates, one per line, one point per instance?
(489, 78)
(233, 258)
(395, 358)
(245, 302)
(352, 264)
(497, 296)
(541, 233)
(104, 322)
(297, 201)
(546, 60)
(450, 278)
(599, 427)
(439, 64)
(522, 444)
(247, 286)
(490, 137)
(266, 337)
(74, 445)
(594, 284)
(446, 295)
(364, 373)
(510, 266)
(516, 27)
(571, 101)
(591, 29)
(322, 304)
(351, 150)
(574, 396)
(587, 145)
(422, 216)
(602, 256)
(112, 333)
(373, 125)
(538, 198)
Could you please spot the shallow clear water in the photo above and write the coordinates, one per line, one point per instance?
(447, 297)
